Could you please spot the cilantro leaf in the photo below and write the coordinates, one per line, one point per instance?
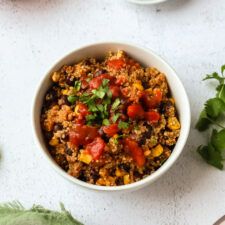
(211, 156)
(221, 92)
(222, 69)
(105, 122)
(123, 125)
(214, 107)
(72, 98)
(77, 85)
(115, 104)
(218, 140)
(203, 121)
(115, 117)
(214, 76)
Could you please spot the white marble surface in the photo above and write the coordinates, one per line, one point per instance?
(35, 33)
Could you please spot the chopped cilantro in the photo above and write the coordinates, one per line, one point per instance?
(115, 104)
(115, 117)
(123, 125)
(72, 99)
(105, 122)
(77, 85)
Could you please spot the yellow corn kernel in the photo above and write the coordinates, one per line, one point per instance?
(54, 142)
(157, 151)
(65, 92)
(138, 85)
(173, 123)
(115, 136)
(126, 179)
(76, 110)
(85, 158)
(100, 181)
(119, 173)
(55, 77)
(147, 152)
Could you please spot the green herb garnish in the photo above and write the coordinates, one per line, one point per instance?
(72, 99)
(115, 117)
(115, 104)
(77, 85)
(123, 125)
(105, 122)
(212, 112)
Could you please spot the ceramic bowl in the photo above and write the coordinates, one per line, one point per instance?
(147, 58)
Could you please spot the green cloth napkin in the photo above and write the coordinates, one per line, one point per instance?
(15, 214)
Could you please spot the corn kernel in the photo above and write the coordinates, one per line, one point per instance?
(76, 110)
(85, 158)
(157, 151)
(126, 179)
(147, 152)
(54, 142)
(100, 181)
(173, 123)
(65, 92)
(55, 77)
(138, 85)
(119, 173)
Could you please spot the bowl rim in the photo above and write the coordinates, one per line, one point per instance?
(146, 2)
(138, 184)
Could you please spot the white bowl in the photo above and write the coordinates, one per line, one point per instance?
(147, 58)
(146, 2)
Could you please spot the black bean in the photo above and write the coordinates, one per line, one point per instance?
(48, 135)
(70, 80)
(82, 176)
(125, 167)
(145, 84)
(58, 126)
(61, 161)
(69, 151)
(145, 135)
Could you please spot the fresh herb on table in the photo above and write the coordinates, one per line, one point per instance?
(14, 213)
(214, 109)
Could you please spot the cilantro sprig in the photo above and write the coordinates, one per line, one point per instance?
(214, 109)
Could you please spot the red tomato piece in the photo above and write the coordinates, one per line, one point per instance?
(152, 102)
(135, 151)
(96, 148)
(82, 134)
(97, 81)
(115, 90)
(135, 111)
(152, 116)
(116, 63)
(111, 129)
(82, 109)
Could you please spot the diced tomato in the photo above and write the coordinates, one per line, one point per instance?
(96, 148)
(82, 134)
(136, 152)
(111, 129)
(115, 90)
(135, 111)
(97, 81)
(84, 84)
(152, 102)
(82, 109)
(152, 116)
(116, 63)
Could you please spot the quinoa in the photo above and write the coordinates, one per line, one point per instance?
(109, 122)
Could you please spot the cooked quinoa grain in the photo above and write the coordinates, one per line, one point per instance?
(109, 122)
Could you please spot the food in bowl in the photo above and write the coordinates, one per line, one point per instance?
(109, 122)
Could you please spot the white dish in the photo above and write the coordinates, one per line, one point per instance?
(147, 58)
(146, 2)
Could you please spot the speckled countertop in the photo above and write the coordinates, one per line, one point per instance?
(190, 34)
